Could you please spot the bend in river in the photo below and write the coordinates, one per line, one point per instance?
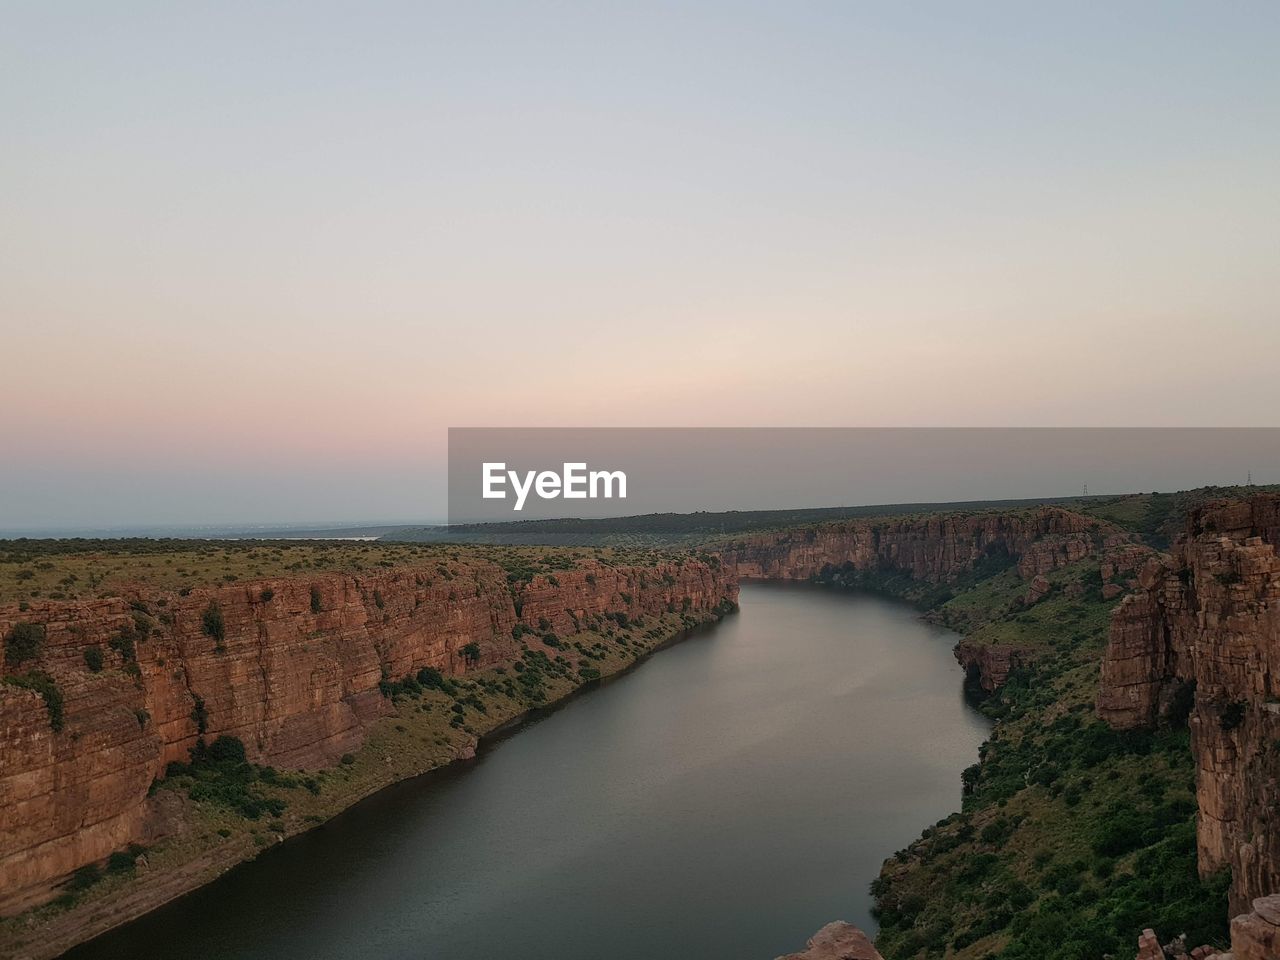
(724, 801)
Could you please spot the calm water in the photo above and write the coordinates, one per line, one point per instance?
(725, 800)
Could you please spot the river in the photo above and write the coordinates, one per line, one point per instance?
(721, 802)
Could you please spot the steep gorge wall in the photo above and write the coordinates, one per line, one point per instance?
(935, 549)
(1203, 630)
(941, 548)
(294, 675)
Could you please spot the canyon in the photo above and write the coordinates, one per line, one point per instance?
(941, 549)
(293, 667)
(1195, 636)
(1201, 634)
(933, 548)
(296, 666)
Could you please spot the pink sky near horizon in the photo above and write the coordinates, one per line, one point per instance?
(241, 249)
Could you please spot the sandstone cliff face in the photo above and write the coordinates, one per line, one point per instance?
(1256, 935)
(289, 666)
(987, 666)
(940, 549)
(933, 548)
(837, 941)
(1209, 615)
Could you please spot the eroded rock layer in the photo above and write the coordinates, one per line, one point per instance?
(941, 548)
(934, 549)
(1201, 633)
(289, 666)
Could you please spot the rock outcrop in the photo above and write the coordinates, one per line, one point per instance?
(935, 548)
(1201, 633)
(1254, 936)
(837, 941)
(987, 666)
(290, 666)
(1149, 946)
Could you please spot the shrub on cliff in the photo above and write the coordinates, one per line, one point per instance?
(1232, 715)
(122, 643)
(315, 599)
(226, 750)
(84, 878)
(23, 643)
(93, 659)
(199, 715)
(43, 684)
(219, 773)
(212, 623)
(124, 861)
(409, 686)
(432, 679)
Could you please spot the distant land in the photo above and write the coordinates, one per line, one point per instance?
(653, 529)
(320, 530)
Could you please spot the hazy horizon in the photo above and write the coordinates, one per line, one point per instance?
(256, 259)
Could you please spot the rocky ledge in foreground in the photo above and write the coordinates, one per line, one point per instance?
(837, 941)
(1254, 936)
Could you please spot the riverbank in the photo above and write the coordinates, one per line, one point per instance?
(794, 740)
(1072, 838)
(155, 734)
(416, 739)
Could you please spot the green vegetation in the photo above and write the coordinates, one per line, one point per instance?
(47, 687)
(199, 715)
(676, 529)
(71, 569)
(1158, 517)
(212, 624)
(23, 643)
(124, 643)
(219, 774)
(1072, 837)
(892, 582)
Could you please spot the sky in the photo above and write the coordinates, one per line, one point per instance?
(255, 259)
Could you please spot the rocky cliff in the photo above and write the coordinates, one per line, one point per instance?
(837, 941)
(1201, 633)
(101, 695)
(1254, 936)
(935, 548)
(941, 549)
